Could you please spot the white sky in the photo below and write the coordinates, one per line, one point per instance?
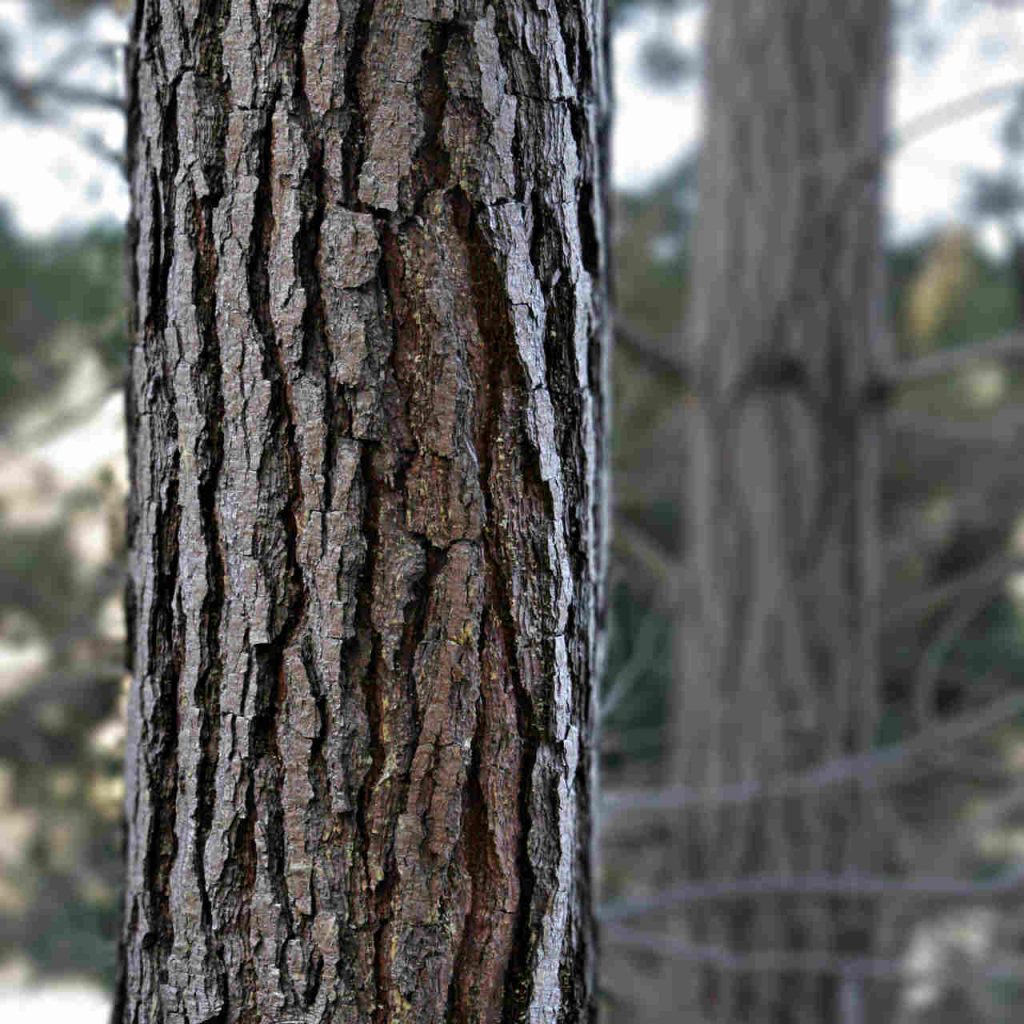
(49, 181)
(927, 180)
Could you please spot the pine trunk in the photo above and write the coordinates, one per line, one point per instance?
(366, 435)
(778, 644)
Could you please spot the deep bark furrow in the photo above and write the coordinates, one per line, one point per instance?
(210, 676)
(386, 593)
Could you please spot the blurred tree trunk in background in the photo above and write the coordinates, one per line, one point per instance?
(365, 408)
(778, 645)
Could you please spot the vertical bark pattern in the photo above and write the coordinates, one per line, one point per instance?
(778, 643)
(366, 512)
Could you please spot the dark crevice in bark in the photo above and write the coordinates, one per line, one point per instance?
(208, 387)
(495, 386)
(210, 677)
(372, 696)
(319, 807)
(163, 209)
(508, 50)
(432, 165)
(475, 843)
(355, 131)
(167, 640)
(281, 494)
(316, 358)
(241, 872)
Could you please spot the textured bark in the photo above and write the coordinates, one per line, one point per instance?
(365, 525)
(778, 642)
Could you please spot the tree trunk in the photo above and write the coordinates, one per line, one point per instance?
(778, 643)
(365, 407)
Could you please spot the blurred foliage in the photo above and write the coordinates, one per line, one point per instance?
(60, 756)
(651, 231)
(947, 292)
(67, 294)
(72, 10)
(635, 691)
(61, 309)
(665, 64)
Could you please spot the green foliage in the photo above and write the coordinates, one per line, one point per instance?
(996, 642)
(665, 64)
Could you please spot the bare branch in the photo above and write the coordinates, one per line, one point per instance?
(850, 883)
(649, 556)
(1004, 428)
(946, 114)
(94, 144)
(27, 96)
(1004, 348)
(770, 961)
(650, 351)
(981, 579)
(868, 770)
(1007, 348)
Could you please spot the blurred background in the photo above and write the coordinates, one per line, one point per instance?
(953, 489)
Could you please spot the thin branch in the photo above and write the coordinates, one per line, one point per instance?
(649, 555)
(1003, 428)
(94, 144)
(1004, 348)
(28, 95)
(868, 770)
(875, 968)
(992, 572)
(852, 883)
(756, 962)
(933, 660)
(946, 114)
(633, 670)
(1008, 348)
(77, 53)
(650, 351)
